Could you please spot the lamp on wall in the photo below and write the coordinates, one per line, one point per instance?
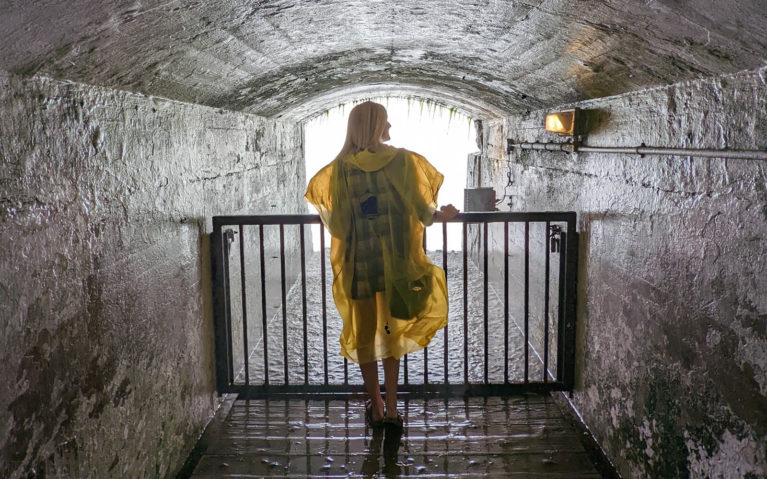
(569, 122)
(577, 123)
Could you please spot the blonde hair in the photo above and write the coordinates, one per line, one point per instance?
(367, 122)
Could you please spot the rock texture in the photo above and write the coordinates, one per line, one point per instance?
(293, 58)
(105, 327)
(105, 197)
(672, 345)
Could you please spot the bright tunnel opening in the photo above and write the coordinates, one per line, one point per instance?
(444, 135)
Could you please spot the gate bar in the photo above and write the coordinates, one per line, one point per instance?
(425, 349)
(324, 304)
(473, 217)
(263, 303)
(571, 277)
(506, 302)
(484, 298)
(284, 304)
(346, 391)
(246, 355)
(303, 304)
(444, 268)
(228, 298)
(546, 235)
(465, 310)
(221, 319)
(527, 301)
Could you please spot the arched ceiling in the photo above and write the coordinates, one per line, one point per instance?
(289, 59)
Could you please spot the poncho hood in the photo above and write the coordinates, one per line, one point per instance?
(369, 161)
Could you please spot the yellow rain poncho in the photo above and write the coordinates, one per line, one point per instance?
(375, 206)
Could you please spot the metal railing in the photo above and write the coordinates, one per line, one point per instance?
(245, 349)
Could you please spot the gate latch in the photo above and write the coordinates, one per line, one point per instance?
(229, 239)
(555, 237)
(229, 235)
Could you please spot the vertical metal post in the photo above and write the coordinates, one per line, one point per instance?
(571, 245)
(246, 355)
(263, 304)
(484, 296)
(465, 308)
(324, 304)
(221, 319)
(444, 267)
(404, 371)
(425, 349)
(527, 300)
(303, 302)
(546, 303)
(284, 305)
(444, 248)
(506, 302)
(561, 308)
(228, 297)
(346, 371)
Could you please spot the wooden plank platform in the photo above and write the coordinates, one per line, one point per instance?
(520, 436)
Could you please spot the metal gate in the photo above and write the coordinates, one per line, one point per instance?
(511, 328)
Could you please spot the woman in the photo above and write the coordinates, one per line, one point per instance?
(375, 200)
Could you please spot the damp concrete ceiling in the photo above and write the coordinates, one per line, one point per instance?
(291, 59)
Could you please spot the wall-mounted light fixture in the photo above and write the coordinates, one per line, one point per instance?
(576, 123)
(569, 122)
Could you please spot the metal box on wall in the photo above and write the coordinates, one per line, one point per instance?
(478, 199)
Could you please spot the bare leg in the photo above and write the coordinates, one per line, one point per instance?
(373, 388)
(391, 376)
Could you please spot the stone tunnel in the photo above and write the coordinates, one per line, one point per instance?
(126, 125)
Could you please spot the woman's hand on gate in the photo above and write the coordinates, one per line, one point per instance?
(445, 213)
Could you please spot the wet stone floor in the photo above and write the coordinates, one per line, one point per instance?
(518, 436)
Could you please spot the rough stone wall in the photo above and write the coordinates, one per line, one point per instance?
(672, 340)
(105, 327)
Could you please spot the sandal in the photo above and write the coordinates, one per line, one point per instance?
(394, 424)
(369, 416)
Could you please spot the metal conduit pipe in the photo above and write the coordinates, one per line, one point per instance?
(642, 150)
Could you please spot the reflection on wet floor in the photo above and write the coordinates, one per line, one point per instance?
(520, 436)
